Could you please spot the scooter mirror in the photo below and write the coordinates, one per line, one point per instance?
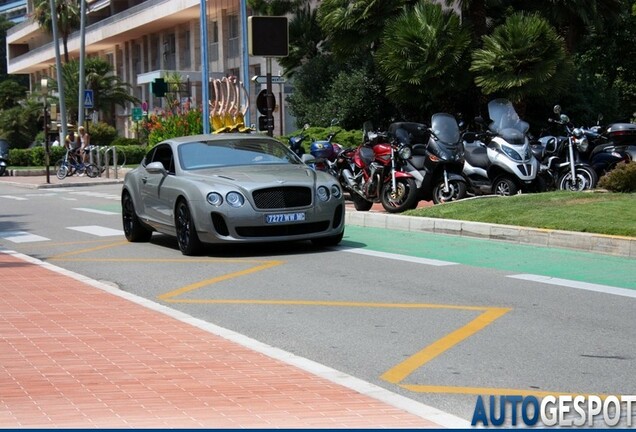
(565, 119)
(557, 109)
(306, 126)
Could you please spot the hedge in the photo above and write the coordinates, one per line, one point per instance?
(35, 156)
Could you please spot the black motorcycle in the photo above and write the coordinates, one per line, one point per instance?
(437, 157)
(563, 158)
(610, 146)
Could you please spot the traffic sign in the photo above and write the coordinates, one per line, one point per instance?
(136, 114)
(88, 98)
(262, 79)
(261, 102)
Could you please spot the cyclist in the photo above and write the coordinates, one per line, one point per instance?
(85, 142)
(72, 144)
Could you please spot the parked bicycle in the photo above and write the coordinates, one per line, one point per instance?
(70, 165)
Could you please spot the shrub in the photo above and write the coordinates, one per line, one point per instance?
(121, 141)
(620, 179)
(102, 134)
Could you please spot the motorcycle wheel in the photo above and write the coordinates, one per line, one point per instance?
(359, 203)
(456, 191)
(585, 180)
(402, 198)
(504, 187)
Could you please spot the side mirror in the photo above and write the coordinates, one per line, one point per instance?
(565, 119)
(306, 126)
(334, 121)
(156, 168)
(308, 159)
(557, 109)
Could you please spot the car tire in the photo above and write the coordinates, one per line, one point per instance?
(328, 241)
(187, 237)
(134, 229)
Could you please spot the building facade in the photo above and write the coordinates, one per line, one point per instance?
(144, 40)
(14, 10)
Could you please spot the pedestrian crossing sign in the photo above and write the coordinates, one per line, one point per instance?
(88, 98)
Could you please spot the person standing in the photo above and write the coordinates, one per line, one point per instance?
(85, 141)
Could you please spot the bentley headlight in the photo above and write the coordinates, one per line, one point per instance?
(335, 191)
(215, 199)
(235, 199)
(512, 154)
(582, 144)
(405, 152)
(323, 193)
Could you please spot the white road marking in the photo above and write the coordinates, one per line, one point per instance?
(97, 195)
(605, 289)
(41, 194)
(97, 230)
(21, 237)
(427, 261)
(89, 210)
(16, 198)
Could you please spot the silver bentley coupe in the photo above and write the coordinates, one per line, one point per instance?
(230, 188)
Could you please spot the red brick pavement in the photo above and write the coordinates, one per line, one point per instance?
(75, 355)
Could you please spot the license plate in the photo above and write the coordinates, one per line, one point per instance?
(284, 217)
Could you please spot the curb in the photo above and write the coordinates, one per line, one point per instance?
(594, 243)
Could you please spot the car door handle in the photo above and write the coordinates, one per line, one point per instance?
(144, 180)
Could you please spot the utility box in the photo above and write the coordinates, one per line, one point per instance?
(268, 36)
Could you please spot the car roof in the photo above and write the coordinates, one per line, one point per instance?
(218, 137)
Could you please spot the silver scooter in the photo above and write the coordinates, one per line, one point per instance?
(499, 161)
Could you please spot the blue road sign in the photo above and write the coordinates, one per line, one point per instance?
(88, 98)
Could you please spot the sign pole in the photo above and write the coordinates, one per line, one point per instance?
(270, 98)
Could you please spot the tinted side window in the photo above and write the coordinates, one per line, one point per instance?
(163, 154)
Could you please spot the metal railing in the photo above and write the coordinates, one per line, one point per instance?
(106, 158)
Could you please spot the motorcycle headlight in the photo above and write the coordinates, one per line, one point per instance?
(405, 152)
(582, 144)
(512, 154)
(577, 132)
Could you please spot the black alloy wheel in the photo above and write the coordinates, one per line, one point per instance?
(187, 237)
(134, 230)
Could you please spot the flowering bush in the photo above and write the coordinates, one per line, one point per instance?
(160, 127)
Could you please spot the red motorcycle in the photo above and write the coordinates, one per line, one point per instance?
(374, 172)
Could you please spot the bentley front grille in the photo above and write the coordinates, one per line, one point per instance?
(282, 197)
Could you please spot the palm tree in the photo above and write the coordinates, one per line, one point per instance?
(68, 19)
(524, 57)
(356, 25)
(108, 89)
(423, 58)
(305, 38)
(573, 19)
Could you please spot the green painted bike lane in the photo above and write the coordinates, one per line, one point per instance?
(553, 262)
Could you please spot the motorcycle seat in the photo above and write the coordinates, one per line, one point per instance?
(476, 154)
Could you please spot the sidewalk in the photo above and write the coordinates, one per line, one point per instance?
(77, 353)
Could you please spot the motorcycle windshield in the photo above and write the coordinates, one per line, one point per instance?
(445, 128)
(504, 116)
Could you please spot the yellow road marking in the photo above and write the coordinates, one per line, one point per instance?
(197, 285)
(81, 251)
(401, 371)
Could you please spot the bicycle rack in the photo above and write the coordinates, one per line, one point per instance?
(100, 157)
(113, 150)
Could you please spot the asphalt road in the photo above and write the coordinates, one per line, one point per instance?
(439, 319)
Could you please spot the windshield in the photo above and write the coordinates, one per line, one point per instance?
(504, 116)
(234, 152)
(445, 128)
